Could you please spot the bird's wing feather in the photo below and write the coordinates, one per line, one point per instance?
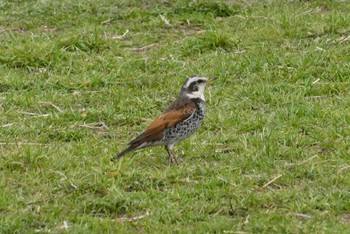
(169, 118)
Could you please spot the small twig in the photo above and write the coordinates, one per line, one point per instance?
(239, 52)
(260, 17)
(343, 168)
(235, 232)
(312, 11)
(122, 36)
(143, 48)
(246, 221)
(241, 16)
(328, 160)
(320, 49)
(108, 21)
(61, 174)
(305, 161)
(316, 97)
(302, 215)
(21, 143)
(53, 105)
(341, 40)
(133, 219)
(33, 114)
(97, 125)
(344, 40)
(89, 126)
(165, 20)
(271, 181)
(7, 125)
(187, 180)
(231, 183)
(104, 125)
(316, 81)
(194, 32)
(208, 143)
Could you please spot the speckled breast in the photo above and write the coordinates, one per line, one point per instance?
(186, 127)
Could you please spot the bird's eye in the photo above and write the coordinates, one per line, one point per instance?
(200, 81)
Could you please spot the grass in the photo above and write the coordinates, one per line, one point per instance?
(79, 79)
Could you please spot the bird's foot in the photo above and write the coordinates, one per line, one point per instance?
(173, 159)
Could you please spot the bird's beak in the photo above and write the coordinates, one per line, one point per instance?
(210, 80)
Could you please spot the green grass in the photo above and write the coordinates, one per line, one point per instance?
(79, 79)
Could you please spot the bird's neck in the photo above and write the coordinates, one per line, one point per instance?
(195, 95)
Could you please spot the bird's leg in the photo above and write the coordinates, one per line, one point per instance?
(172, 156)
(169, 154)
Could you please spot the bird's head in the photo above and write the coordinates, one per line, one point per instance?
(194, 86)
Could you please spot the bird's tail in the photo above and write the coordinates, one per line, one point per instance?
(121, 154)
(135, 144)
(132, 147)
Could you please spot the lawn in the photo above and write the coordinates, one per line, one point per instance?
(79, 79)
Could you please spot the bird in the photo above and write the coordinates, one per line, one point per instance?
(179, 121)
